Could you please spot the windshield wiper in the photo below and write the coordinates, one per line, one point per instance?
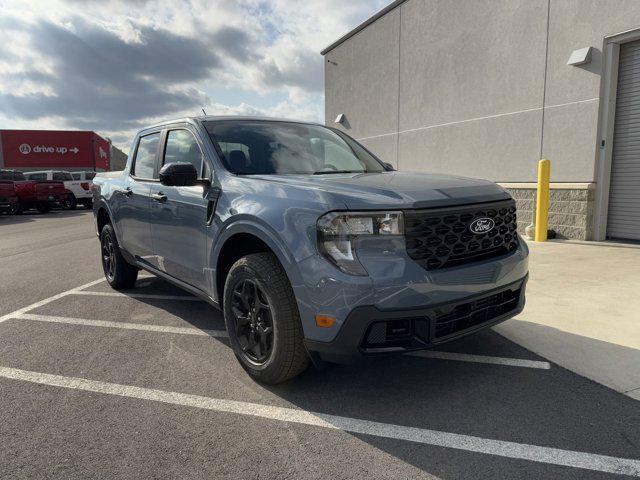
(333, 172)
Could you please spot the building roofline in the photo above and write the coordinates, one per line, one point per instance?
(363, 25)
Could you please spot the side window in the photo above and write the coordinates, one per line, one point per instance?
(89, 175)
(182, 147)
(145, 162)
(76, 176)
(62, 176)
(37, 176)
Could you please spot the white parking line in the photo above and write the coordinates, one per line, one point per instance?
(49, 300)
(122, 325)
(460, 357)
(137, 295)
(534, 453)
(464, 357)
(81, 291)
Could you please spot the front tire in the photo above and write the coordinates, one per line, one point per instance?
(263, 321)
(117, 271)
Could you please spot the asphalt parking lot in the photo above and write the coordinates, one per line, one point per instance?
(99, 384)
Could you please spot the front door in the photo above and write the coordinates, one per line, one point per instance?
(179, 214)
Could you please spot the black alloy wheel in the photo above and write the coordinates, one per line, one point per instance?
(108, 256)
(262, 319)
(253, 319)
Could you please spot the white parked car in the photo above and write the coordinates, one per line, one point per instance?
(79, 188)
(84, 176)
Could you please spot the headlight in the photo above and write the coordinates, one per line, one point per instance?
(337, 232)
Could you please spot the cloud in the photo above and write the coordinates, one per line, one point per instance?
(98, 77)
(115, 66)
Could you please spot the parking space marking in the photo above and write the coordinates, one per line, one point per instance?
(465, 357)
(123, 325)
(534, 453)
(49, 300)
(461, 357)
(22, 313)
(138, 295)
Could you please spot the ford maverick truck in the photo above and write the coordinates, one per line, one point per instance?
(313, 248)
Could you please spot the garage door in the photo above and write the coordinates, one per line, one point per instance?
(624, 197)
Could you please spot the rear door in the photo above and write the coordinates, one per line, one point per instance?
(131, 204)
(179, 214)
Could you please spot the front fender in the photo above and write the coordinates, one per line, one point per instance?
(253, 226)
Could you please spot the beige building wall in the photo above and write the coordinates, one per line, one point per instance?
(459, 87)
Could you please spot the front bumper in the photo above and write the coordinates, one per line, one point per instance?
(369, 331)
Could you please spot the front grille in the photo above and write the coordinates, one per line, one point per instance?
(441, 238)
(474, 313)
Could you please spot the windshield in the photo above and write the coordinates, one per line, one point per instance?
(266, 147)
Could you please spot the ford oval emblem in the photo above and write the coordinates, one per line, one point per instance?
(482, 225)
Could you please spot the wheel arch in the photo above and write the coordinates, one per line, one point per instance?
(103, 215)
(241, 239)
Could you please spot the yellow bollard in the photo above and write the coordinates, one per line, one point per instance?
(542, 203)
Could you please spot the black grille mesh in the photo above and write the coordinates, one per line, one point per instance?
(474, 313)
(441, 238)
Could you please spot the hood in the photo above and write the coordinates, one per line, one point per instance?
(394, 189)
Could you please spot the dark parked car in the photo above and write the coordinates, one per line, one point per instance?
(311, 246)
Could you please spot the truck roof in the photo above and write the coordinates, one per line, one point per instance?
(212, 118)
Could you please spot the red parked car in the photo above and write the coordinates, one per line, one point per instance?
(8, 198)
(42, 195)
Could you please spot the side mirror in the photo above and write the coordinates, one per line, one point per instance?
(389, 167)
(178, 175)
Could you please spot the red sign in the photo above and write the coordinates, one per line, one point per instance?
(49, 149)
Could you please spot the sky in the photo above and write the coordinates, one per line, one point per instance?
(116, 66)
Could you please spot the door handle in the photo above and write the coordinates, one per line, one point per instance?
(159, 197)
(127, 192)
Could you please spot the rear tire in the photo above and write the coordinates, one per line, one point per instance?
(262, 319)
(44, 208)
(70, 202)
(119, 273)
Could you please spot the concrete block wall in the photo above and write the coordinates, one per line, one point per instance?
(571, 209)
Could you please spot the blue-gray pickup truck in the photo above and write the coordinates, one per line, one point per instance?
(313, 248)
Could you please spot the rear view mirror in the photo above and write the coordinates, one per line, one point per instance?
(178, 175)
(389, 167)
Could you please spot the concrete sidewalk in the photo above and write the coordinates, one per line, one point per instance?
(583, 311)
